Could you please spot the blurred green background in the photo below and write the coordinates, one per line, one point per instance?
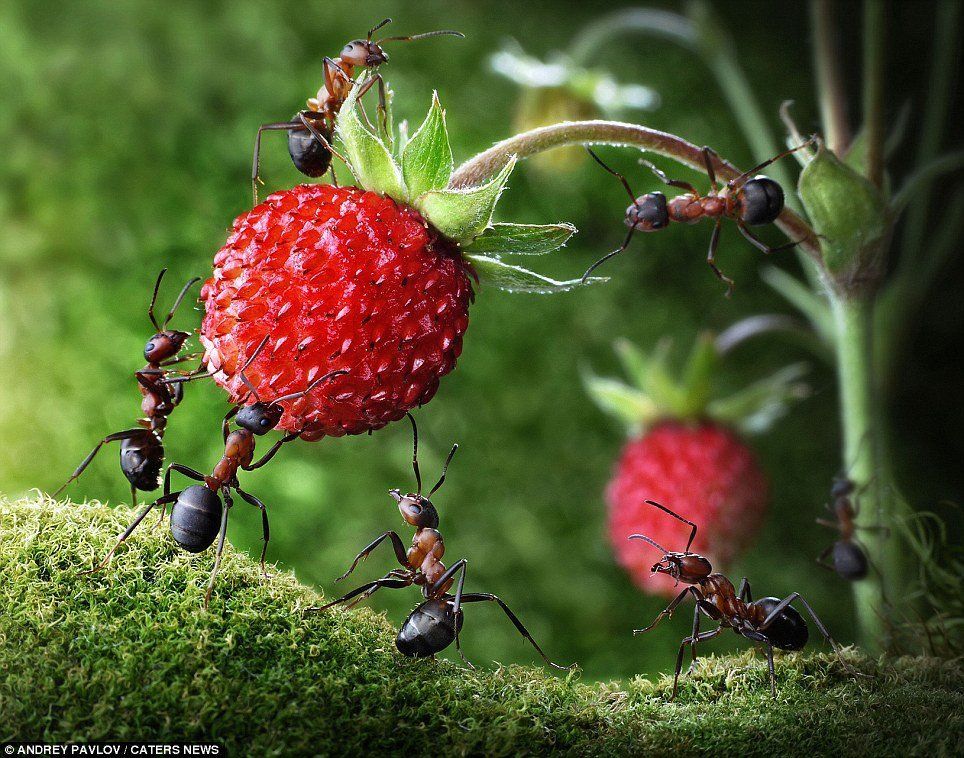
(126, 132)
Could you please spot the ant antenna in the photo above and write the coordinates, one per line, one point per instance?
(743, 177)
(677, 516)
(180, 297)
(654, 543)
(244, 377)
(418, 475)
(614, 172)
(310, 387)
(150, 308)
(378, 26)
(423, 35)
(445, 468)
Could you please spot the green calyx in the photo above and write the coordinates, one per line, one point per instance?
(416, 171)
(656, 391)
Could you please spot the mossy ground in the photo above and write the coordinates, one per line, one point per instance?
(131, 654)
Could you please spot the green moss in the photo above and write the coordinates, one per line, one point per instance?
(131, 653)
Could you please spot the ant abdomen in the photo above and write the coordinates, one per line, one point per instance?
(849, 560)
(196, 518)
(762, 201)
(429, 629)
(308, 155)
(788, 630)
(141, 459)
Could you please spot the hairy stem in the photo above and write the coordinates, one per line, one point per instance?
(830, 86)
(873, 90)
(487, 163)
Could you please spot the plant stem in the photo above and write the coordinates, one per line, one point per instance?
(484, 165)
(864, 460)
(873, 90)
(830, 88)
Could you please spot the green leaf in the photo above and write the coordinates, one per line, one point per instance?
(517, 279)
(521, 239)
(848, 213)
(427, 158)
(461, 215)
(626, 403)
(371, 160)
(385, 123)
(634, 361)
(754, 408)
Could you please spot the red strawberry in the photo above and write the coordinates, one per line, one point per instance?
(705, 473)
(685, 453)
(338, 278)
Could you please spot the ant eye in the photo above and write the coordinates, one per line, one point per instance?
(265, 422)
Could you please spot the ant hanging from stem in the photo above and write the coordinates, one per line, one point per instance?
(769, 620)
(436, 622)
(849, 557)
(142, 448)
(746, 201)
(311, 131)
(197, 516)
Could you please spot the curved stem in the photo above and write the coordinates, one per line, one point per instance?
(491, 161)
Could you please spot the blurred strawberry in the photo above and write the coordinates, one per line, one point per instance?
(686, 452)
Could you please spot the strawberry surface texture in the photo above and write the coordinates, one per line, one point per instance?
(336, 278)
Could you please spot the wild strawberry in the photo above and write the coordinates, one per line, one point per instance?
(684, 452)
(374, 280)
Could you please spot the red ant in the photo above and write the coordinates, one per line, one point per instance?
(142, 448)
(850, 560)
(436, 622)
(197, 516)
(769, 620)
(311, 131)
(748, 202)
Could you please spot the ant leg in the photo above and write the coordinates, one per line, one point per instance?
(744, 592)
(760, 244)
(133, 495)
(743, 177)
(828, 523)
(613, 254)
(393, 574)
(127, 533)
(264, 525)
(439, 586)
(821, 559)
(396, 544)
(708, 154)
(711, 257)
(476, 597)
(271, 453)
(666, 180)
(226, 421)
(456, 602)
(306, 123)
(667, 611)
(256, 162)
(370, 587)
(180, 359)
(614, 172)
(695, 635)
(127, 434)
(222, 535)
(188, 472)
(682, 650)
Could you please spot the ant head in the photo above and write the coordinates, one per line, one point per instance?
(163, 345)
(417, 510)
(686, 567)
(363, 53)
(762, 201)
(260, 417)
(648, 212)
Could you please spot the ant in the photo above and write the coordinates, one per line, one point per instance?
(142, 448)
(769, 620)
(197, 516)
(849, 557)
(311, 131)
(436, 622)
(748, 202)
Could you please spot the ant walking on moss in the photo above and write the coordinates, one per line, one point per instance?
(746, 201)
(437, 621)
(311, 131)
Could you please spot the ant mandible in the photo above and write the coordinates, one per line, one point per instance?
(311, 131)
(436, 622)
(849, 559)
(197, 516)
(769, 620)
(142, 448)
(746, 201)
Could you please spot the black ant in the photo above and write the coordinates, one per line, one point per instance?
(437, 621)
(849, 558)
(142, 448)
(197, 516)
(311, 131)
(769, 620)
(748, 202)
